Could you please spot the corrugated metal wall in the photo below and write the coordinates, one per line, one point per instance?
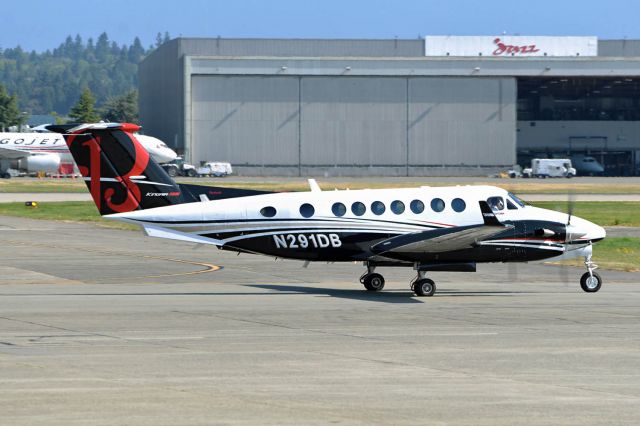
(245, 120)
(301, 47)
(359, 121)
(161, 99)
(462, 121)
(297, 124)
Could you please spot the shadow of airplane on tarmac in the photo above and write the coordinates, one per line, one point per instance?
(403, 297)
(384, 297)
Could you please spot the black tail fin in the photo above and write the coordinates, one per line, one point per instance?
(488, 215)
(119, 172)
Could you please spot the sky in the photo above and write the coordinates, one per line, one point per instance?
(40, 25)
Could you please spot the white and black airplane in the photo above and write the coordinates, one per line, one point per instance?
(427, 228)
(47, 152)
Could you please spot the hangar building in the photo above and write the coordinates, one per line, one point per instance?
(424, 107)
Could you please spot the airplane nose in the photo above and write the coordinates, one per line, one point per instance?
(583, 230)
(171, 155)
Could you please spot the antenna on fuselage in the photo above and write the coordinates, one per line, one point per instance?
(313, 185)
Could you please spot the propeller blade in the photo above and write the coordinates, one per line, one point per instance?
(571, 199)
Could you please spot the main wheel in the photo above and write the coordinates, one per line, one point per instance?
(589, 283)
(424, 287)
(191, 173)
(373, 282)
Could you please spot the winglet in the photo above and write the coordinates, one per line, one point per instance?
(488, 216)
(313, 185)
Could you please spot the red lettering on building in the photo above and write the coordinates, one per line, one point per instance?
(509, 49)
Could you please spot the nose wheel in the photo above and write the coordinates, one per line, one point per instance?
(590, 281)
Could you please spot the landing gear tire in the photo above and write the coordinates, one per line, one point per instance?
(590, 283)
(191, 173)
(6, 175)
(424, 287)
(373, 282)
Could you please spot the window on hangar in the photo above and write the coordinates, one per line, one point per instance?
(578, 98)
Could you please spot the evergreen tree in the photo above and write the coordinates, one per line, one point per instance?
(122, 109)
(53, 80)
(10, 114)
(84, 110)
(136, 51)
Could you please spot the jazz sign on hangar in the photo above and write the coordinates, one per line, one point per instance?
(510, 46)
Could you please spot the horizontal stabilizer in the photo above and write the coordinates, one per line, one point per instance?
(159, 232)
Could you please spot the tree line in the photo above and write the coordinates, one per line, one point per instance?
(58, 81)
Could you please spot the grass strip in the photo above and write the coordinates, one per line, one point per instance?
(525, 186)
(604, 213)
(72, 211)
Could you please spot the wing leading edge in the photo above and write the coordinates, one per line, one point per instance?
(443, 240)
(13, 153)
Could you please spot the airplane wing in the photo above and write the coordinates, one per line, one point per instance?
(443, 240)
(13, 153)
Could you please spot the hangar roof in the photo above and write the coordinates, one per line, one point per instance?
(341, 47)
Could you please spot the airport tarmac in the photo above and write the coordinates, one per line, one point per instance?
(105, 327)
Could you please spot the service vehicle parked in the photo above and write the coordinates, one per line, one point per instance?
(550, 167)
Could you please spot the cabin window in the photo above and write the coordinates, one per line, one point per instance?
(378, 207)
(496, 203)
(437, 205)
(416, 206)
(510, 205)
(397, 207)
(307, 210)
(339, 209)
(358, 208)
(458, 205)
(268, 211)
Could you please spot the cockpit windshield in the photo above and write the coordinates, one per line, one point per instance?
(517, 200)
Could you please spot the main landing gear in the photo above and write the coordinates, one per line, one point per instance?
(371, 280)
(421, 285)
(590, 281)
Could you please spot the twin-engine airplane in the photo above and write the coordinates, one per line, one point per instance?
(428, 229)
(47, 152)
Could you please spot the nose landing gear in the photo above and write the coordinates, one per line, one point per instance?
(590, 281)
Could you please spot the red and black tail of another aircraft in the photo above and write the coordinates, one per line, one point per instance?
(117, 169)
(121, 175)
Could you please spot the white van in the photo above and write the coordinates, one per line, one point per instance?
(550, 167)
(216, 169)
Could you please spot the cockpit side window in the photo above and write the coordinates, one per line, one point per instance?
(496, 203)
(516, 200)
(510, 205)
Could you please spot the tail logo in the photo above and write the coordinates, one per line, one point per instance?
(119, 192)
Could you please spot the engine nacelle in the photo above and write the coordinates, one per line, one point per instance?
(48, 163)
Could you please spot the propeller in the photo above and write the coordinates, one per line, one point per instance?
(570, 234)
(571, 200)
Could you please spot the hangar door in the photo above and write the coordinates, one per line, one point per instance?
(248, 121)
(353, 121)
(461, 121)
